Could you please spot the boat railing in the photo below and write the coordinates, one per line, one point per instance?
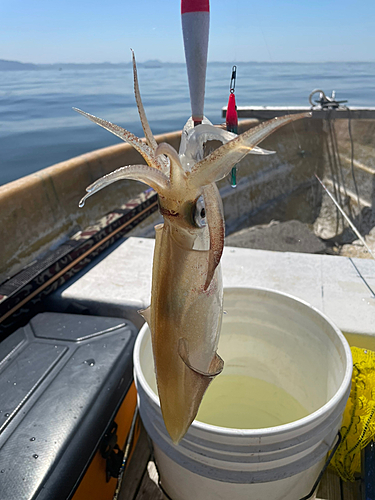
(268, 112)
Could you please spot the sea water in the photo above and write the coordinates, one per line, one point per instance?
(243, 402)
(39, 128)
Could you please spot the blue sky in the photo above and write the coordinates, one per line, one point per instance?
(47, 31)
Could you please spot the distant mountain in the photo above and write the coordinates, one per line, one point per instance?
(152, 63)
(16, 66)
(105, 65)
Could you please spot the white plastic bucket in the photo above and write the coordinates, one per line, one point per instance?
(283, 341)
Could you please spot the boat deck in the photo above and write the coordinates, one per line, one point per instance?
(140, 481)
(343, 288)
(340, 287)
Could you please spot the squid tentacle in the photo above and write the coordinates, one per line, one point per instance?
(143, 173)
(216, 228)
(219, 163)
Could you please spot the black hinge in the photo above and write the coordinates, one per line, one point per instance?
(111, 452)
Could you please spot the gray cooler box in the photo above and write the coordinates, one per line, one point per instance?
(63, 380)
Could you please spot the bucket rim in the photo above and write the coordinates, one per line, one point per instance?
(264, 431)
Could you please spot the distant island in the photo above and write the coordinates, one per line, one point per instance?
(151, 64)
(19, 66)
(15, 65)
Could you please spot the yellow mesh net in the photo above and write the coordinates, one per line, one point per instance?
(358, 425)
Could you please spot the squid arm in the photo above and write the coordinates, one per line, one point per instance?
(192, 147)
(216, 228)
(146, 151)
(219, 163)
(150, 139)
(142, 114)
(143, 173)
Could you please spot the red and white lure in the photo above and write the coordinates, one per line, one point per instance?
(195, 19)
(231, 119)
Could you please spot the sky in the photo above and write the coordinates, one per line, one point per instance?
(82, 31)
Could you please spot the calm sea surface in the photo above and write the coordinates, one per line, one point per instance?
(39, 128)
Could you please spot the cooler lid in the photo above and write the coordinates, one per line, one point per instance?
(62, 378)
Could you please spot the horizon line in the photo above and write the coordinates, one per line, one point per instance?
(158, 61)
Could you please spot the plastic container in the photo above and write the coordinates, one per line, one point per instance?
(64, 379)
(280, 340)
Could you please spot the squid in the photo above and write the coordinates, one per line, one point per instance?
(186, 293)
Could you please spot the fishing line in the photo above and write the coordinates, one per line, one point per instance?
(352, 165)
(302, 152)
(334, 172)
(338, 179)
(362, 277)
(236, 24)
(128, 446)
(355, 230)
(334, 138)
(266, 44)
(330, 163)
(336, 163)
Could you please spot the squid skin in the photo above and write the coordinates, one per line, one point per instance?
(187, 293)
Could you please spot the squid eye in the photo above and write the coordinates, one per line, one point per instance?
(200, 213)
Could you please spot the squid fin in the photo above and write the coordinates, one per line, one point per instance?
(215, 368)
(195, 385)
(146, 314)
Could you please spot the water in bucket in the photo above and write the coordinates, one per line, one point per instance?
(245, 402)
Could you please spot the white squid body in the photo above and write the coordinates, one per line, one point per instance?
(186, 300)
